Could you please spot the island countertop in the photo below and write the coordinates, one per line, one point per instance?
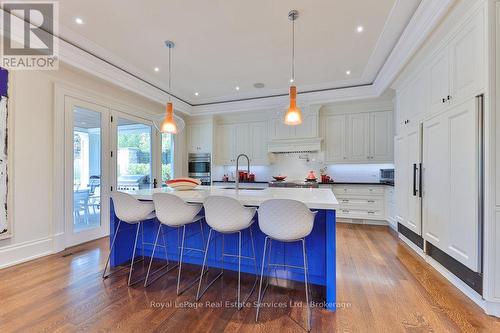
(314, 198)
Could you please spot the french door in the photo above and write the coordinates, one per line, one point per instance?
(134, 164)
(86, 171)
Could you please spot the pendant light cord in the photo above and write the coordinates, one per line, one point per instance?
(293, 51)
(169, 74)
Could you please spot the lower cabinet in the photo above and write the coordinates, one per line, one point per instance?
(361, 202)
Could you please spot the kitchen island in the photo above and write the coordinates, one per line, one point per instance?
(321, 243)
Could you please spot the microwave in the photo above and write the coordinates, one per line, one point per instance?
(387, 176)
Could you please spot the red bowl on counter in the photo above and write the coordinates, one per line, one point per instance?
(279, 178)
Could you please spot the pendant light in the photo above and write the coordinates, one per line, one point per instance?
(168, 124)
(293, 116)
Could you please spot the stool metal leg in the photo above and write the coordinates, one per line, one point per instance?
(239, 270)
(180, 259)
(306, 273)
(133, 253)
(111, 249)
(198, 294)
(261, 277)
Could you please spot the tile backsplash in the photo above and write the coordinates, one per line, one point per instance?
(297, 165)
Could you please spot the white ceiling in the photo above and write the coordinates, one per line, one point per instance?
(221, 44)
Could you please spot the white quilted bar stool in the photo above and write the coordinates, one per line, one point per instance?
(285, 221)
(132, 211)
(173, 212)
(227, 216)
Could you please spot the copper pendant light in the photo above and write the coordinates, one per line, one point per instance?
(293, 116)
(168, 124)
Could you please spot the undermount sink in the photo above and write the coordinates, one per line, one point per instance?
(244, 188)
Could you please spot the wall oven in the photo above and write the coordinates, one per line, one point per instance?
(199, 167)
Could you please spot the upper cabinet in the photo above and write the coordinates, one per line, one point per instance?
(308, 129)
(359, 138)
(248, 138)
(456, 71)
(199, 137)
(450, 76)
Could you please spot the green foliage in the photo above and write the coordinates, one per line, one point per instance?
(166, 172)
(141, 141)
(138, 169)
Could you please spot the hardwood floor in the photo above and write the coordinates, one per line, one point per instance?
(382, 287)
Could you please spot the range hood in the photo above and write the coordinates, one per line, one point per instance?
(301, 145)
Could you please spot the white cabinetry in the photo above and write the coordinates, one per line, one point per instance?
(457, 70)
(365, 202)
(359, 137)
(450, 205)
(242, 138)
(199, 137)
(308, 129)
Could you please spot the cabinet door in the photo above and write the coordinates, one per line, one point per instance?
(467, 59)
(225, 144)
(413, 221)
(192, 137)
(258, 143)
(335, 138)
(439, 73)
(308, 128)
(436, 183)
(401, 175)
(357, 142)
(242, 139)
(204, 138)
(463, 223)
(279, 130)
(381, 136)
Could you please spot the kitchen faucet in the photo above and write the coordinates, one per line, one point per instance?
(237, 171)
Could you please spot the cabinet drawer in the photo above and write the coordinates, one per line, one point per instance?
(366, 203)
(360, 213)
(361, 190)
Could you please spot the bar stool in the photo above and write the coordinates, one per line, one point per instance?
(172, 211)
(132, 211)
(227, 216)
(285, 220)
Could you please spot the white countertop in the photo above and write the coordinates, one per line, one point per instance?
(314, 198)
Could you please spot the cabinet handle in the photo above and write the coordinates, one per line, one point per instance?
(371, 201)
(371, 212)
(414, 179)
(449, 97)
(345, 200)
(444, 100)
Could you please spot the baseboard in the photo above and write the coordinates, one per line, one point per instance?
(412, 245)
(492, 308)
(459, 284)
(18, 253)
(362, 221)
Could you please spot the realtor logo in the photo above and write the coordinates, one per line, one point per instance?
(28, 30)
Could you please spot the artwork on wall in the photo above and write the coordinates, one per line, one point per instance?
(4, 227)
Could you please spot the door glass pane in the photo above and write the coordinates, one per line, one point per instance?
(167, 157)
(86, 169)
(134, 155)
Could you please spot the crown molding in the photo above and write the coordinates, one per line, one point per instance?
(426, 18)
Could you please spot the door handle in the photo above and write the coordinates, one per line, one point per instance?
(414, 179)
(420, 180)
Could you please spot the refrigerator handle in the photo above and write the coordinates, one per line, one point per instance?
(414, 179)
(420, 180)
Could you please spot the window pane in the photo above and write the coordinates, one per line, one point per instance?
(134, 155)
(167, 157)
(86, 169)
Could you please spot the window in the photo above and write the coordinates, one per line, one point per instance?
(167, 157)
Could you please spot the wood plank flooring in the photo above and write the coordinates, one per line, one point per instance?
(382, 287)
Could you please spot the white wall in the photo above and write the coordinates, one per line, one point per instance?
(31, 153)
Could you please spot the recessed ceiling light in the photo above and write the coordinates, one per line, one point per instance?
(258, 85)
(157, 69)
(78, 20)
(196, 93)
(348, 72)
(360, 28)
(237, 88)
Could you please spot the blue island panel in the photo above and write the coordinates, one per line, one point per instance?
(320, 248)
